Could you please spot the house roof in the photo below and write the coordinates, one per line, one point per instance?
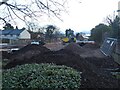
(11, 32)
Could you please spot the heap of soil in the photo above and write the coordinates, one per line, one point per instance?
(5, 54)
(28, 51)
(75, 48)
(54, 46)
(92, 75)
(106, 62)
(91, 46)
(32, 47)
(88, 50)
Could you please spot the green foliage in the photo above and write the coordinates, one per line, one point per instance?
(98, 33)
(8, 26)
(118, 76)
(115, 27)
(69, 33)
(41, 76)
(50, 30)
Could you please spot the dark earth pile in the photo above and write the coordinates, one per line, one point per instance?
(75, 48)
(93, 74)
(4, 54)
(107, 62)
(91, 46)
(28, 51)
(32, 47)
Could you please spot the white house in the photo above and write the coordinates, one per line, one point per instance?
(15, 34)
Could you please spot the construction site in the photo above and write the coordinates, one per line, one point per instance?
(96, 68)
(80, 52)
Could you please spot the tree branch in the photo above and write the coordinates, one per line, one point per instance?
(49, 7)
(3, 19)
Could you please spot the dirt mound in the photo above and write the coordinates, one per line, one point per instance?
(32, 47)
(57, 57)
(106, 62)
(54, 46)
(92, 53)
(92, 76)
(28, 51)
(5, 54)
(91, 46)
(89, 50)
(75, 48)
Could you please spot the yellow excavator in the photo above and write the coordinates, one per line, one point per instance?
(68, 40)
(69, 37)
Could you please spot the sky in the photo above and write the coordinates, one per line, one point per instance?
(86, 15)
(83, 15)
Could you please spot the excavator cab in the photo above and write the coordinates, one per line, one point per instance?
(69, 37)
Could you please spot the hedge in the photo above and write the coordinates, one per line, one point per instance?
(41, 76)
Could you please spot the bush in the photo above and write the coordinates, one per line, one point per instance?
(41, 76)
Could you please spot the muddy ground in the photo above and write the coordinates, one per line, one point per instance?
(87, 59)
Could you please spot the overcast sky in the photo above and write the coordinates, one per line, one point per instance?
(86, 15)
(82, 16)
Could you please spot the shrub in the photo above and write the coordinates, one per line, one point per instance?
(41, 76)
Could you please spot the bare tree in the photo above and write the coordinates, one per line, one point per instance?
(32, 26)
(114, 23)
(110, 19)
(27, 9)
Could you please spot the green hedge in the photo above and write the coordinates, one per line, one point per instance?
(41, 76)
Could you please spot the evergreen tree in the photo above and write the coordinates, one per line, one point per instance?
(8, 26)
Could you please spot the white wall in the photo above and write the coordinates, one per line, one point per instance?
(25, 35)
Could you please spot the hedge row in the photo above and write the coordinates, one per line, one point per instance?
(41, 76)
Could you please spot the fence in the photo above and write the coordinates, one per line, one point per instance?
(21, 41)
(15, 42)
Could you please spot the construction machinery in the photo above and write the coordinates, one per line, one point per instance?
(69, 37)
(68, 40)
(79, 39)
